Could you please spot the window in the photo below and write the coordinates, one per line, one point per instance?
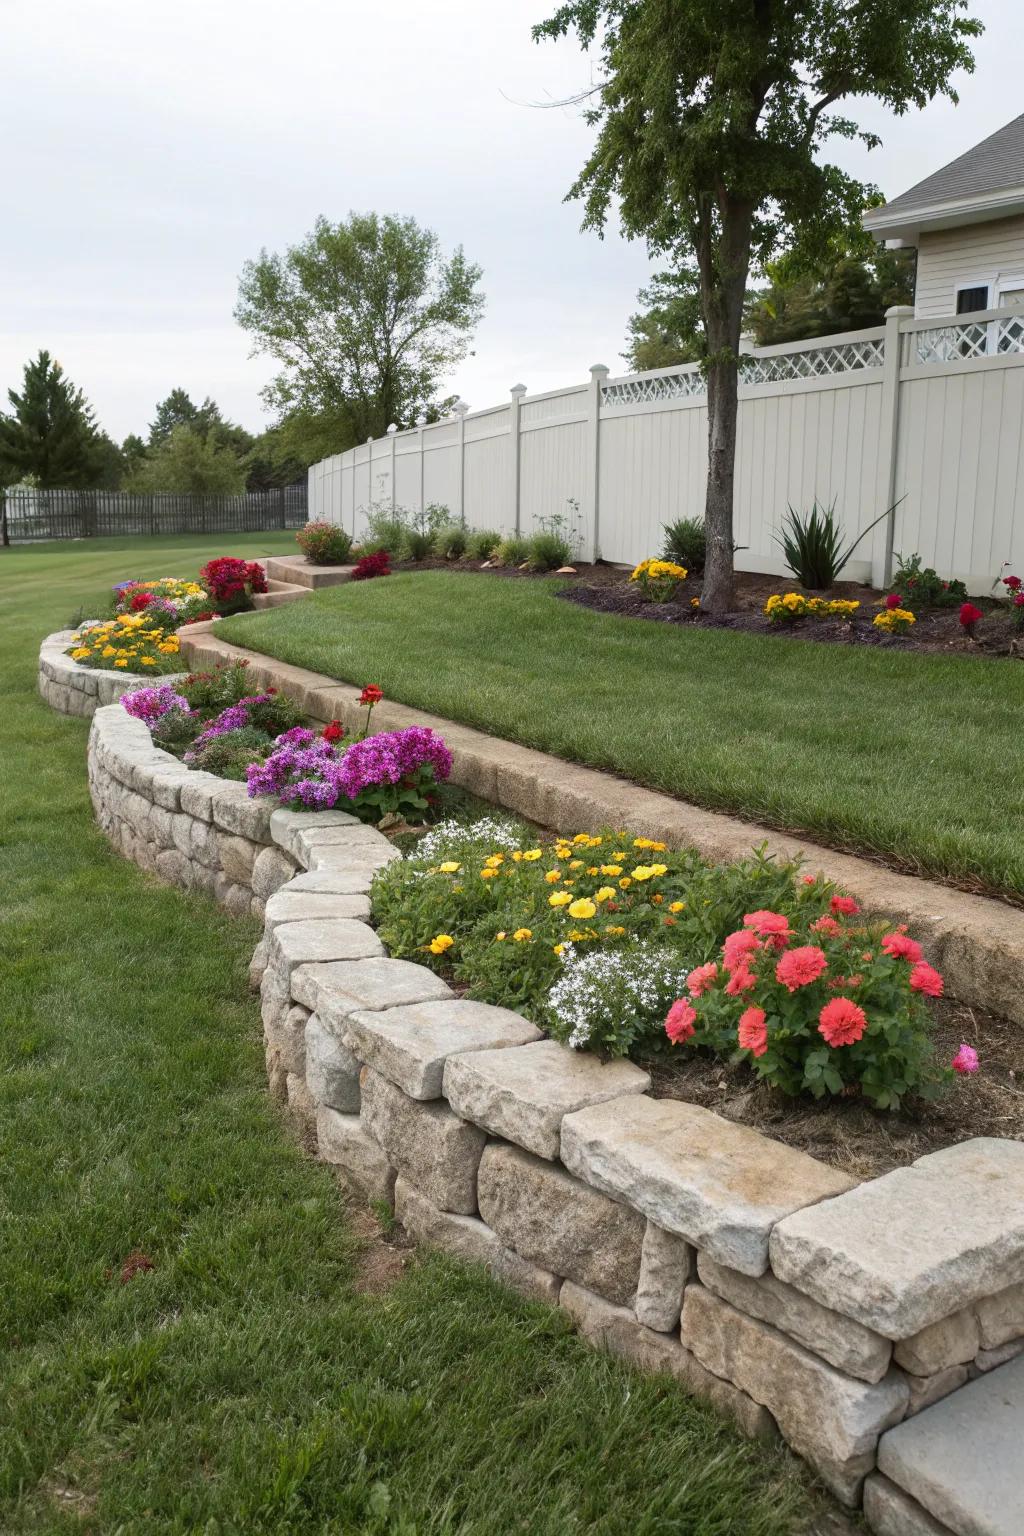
(968, 300)
(1012, 295)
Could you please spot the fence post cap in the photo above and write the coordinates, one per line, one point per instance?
(900, 311)
(518, 389)
(421, 421)
(599, 371)
(392, 429)
(461, 407)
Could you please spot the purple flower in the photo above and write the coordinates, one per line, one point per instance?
(392, 756)
(965, 1060)
(151, 704)
(298, 736)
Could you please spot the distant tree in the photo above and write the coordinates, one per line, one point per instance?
(366, 318)
(51, 432)
(712, 122)
(133, 452)
(189, 463)
(851, 291)
(180, 410)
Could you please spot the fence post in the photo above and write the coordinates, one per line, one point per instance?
(460, 410)
(421, 422)
(518, 391)
(392, 434)
(889, 438)
(592, 467)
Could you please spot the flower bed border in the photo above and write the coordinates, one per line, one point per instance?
(72, 689)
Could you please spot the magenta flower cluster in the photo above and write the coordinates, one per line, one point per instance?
(231, 719)
(391, 756)
(315, 775)
(151, 704)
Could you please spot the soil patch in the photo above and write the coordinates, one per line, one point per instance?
(385, 1250)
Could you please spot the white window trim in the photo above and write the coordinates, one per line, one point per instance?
(987, 280)
(1008, 280)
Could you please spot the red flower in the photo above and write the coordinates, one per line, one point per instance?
(925, 978)
(679, 1021)
(841, 1022)
(701, 977)
(741, 980)
(844, 906)
(770, 926)
(737, 947)
(372, 565)
(1013, 582)
(901, 948)
(969, 616)
(826, 925)
(752, 1033)
(893, 600)
(333, 731)
(799, 967)
(1018, 601)
(372, 694)
(139, 601)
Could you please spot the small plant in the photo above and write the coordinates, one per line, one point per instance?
(923, 587)
(132, 643)
(377, 564)
(481, 543)
(614, 1001)
(811, 545)
(391, 774)
(686, 543)
(970, 618)
(1014, 585)
(512, 550)
(230, 754)
(417, 544)
(659, 580)
(151, 704)
(789, 607)
(385, 527)
(450, 541)
(547, 551)
(231, 583)
(895, 621)
(324, 543)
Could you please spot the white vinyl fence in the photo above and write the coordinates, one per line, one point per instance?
(930, 412)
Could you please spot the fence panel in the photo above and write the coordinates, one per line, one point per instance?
(31, 515)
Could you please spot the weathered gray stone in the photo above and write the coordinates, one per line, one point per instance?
(925, 1390)
(436, 1150)
(288, 906)
(988, 1359)
(234, 811)
(357, 860)
(524, 1095)
(355, 836)
(257, 965)
(471, 1239)
(197, 794)
(666, 1264)
(287, 1033)
(952, 1341)
(918, 1244)
(270, 871)
(172, 866)
(234, 898)
(337, 989)
(299, 1102)
(961, 1460)
(333, 882)
(832, 1420)
(719, 1185)
(284, 826)
(891, 1512)
(332, 1072)
(237, 857)
(344, 1141)
(165, 786)
(616, 1330)
(1001, 1317)
(549, 1217)
(410, 1045)
(847, 1345)
(339, 938)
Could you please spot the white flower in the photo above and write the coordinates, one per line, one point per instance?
(450, 838)
(620, 989)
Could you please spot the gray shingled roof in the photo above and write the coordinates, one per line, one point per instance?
(994, 165)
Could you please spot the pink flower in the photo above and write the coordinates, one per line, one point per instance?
(765, 923)
(741, 980)
(799, 967)
(965, 1060)
(738, 947)
(752, 1033)
(809, 879)
(826, 925)
(702, 977)
(841, 1022)
(844, 906)
(679, 1021)
(893, 600)
(925, 978)
(901, 948)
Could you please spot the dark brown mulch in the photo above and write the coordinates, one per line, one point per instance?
(848, 1132)
(937, 631)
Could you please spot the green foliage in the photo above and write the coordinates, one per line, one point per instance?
(51, 433)
(215, 689)
(924, 587)
(417, 544)
(848, 291)
(176, 731)
(669, 330)
(811, 545)
(229, 755)
(481, 543)
(451, 541)
(513, 549)
(364, 318)
(324, 543)
(189, 462)
(547, 551)
(686, 543)
(385, 527)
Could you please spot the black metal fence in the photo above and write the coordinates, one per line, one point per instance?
(28, 514)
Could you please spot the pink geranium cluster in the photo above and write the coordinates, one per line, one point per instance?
(826, 1004)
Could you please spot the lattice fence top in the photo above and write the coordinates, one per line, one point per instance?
(778, 368)
(972, 338)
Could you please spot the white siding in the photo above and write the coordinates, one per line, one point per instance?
(974, 253)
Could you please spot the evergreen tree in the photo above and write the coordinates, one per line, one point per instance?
(51, 433)
(189, 463)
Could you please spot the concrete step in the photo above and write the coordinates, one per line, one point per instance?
(280, 592)
(294, 570)
(957, 1468)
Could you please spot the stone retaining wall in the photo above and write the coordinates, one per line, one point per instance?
(74, 690)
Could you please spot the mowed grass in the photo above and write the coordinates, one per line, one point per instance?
(913, 758)
(246, 1384)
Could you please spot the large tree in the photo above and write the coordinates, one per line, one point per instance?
(188, 462)
(51, 434)
(180, 410)
(366, 318)
(711, 120)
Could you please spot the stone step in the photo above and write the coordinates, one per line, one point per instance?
(961, 1460)
(294, 570)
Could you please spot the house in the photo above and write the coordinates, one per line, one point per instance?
(967, 222)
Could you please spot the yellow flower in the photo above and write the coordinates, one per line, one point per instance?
(676, 906)
(449, 867)
(581, 837)
(107, 652)
(647, 842)
(80, 652)
(563, 853)
(148, 661)
(582, 908)
(558, 948)
(488, 874)
(122, 661)
(495, 860)
(659, 869)
(499, 936)
(438, 945)
(615, 930)
(552, 877)
(575, 863)
(517, 857)
(559, 899)
(532, 855)
(593, 870)
(605, 893)
(521, 935)
(611, 869)
(642, 872)
(625, 883)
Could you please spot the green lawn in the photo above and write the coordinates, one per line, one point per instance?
(915, 758)
(247, 1385)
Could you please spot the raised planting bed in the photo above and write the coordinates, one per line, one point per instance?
(72, 689)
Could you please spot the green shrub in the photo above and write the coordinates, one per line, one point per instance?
(686, 543)
(450, 542)
(214, 690)
(175, 731)
(481, 543)
(229, 755)
(811, 545)
(324, 543)
(512, 550)
(385, 530)
(417, 544)
(924, 587)
(547, 551)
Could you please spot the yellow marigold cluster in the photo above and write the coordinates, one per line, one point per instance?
(895, 620)
(657, 570)
(130, 643)
(786, 607)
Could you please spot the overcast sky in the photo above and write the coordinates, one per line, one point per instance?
(151, 148)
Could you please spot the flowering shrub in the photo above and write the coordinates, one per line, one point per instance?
(789, 607)
(213, 721)
(231, 583)
(923, 587)
(659, 579)
(1015, 593)
(130, 643)
(377, 564)
(613, 1000)
(324, 543)
(823, 1006)
(166, 600)
(151, 704)
(969, 618)
(895, 621)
